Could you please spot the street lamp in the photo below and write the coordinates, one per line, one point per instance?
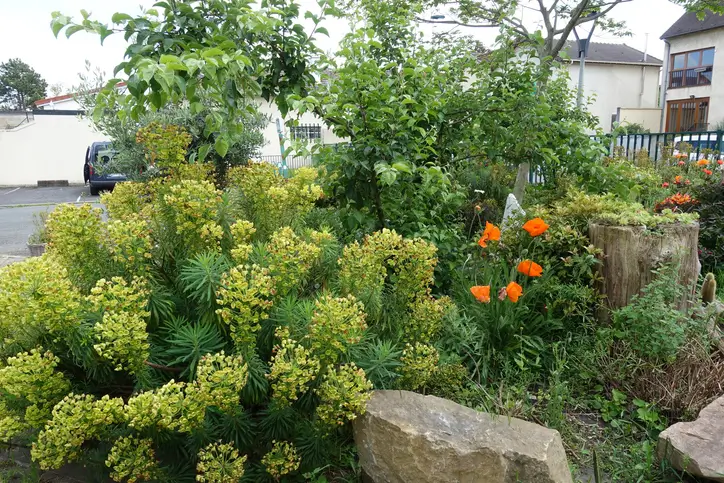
(582, 53)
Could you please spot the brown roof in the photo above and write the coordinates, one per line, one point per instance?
(64, 97)
(689, 24)
(611, 54)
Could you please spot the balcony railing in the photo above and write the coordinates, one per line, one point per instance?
(698, 76)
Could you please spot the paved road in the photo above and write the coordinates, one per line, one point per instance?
(17, 206)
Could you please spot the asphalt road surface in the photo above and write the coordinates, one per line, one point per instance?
(17, 206)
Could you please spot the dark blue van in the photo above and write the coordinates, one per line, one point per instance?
(96, 156)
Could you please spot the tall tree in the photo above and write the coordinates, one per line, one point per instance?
(20, 85)
(557, 18)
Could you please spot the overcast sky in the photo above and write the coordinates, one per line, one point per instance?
(25, 33)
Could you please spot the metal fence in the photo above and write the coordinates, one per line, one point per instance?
(660, 145)
(13, 119)
(286, 166)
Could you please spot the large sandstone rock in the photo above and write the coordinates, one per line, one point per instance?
(697, 447)
(406, 437)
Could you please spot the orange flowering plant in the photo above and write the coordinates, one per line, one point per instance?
(491, 233)
(502, 295)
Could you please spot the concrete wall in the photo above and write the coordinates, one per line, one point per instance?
(52, 147)
(616, 86)
(648, 117)
(715, 91)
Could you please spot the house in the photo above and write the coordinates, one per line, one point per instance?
(694, 102)
(623, 83)
(310, 127)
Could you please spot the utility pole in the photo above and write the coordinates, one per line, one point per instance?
(582, 53)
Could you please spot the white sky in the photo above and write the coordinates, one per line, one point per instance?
(25, 33)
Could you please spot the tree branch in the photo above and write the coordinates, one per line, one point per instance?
(546, 16)
(163, 368)
(456, 22)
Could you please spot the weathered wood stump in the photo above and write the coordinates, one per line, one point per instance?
(631, 253)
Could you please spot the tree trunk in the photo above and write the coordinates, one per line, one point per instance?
(521, 180)
(630, 253)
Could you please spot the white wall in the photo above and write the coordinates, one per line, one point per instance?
(649, 118)
(50, 148)
(271, 148)
(616, 86)
(62, 105)
(715, 91)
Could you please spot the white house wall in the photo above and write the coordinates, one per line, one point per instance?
(271, 137)
(715, 91)
(615, 86)
(50, 148)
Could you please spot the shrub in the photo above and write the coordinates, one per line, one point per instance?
(269, 200)
(652, 324)
(204, 347)
(711, 225)
(37, 299)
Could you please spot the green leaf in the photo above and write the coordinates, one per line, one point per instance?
(221, 146)
(120, 17)
(212, 52)
(404, 167)
(203, 152)
(323, 31)
(73, 29)
(105, 32)
(388, 177)
(167, 59)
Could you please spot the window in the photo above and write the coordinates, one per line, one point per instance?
(691, 68)
(687, 115)
(306, 131)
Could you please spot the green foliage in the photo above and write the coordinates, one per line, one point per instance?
(199, 332)
(269, 200)
(37, 299)
(652, 324)
(711, 225)
(75, 234)
(222, 53)
(31, 386)
(20, 85)
(579, 209)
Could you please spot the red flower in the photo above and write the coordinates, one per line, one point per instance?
(665, 185)
(535, 227)
(514, 291)
(530, 268)
(708, 172)
(681, 163)
(719, 162)
(481, 293)
(490, 233)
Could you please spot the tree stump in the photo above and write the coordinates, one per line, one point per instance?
(631, 253)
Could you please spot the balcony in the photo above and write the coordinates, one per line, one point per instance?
(697, 76)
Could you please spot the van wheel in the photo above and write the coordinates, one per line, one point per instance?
(94, 191)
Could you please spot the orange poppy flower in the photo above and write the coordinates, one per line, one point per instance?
(702, 162)
(677, 179)
(708, 172)
(719, 162)
(481, 292)
(490, 233)
(530, 268)
(514, 291)
(535, 227)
